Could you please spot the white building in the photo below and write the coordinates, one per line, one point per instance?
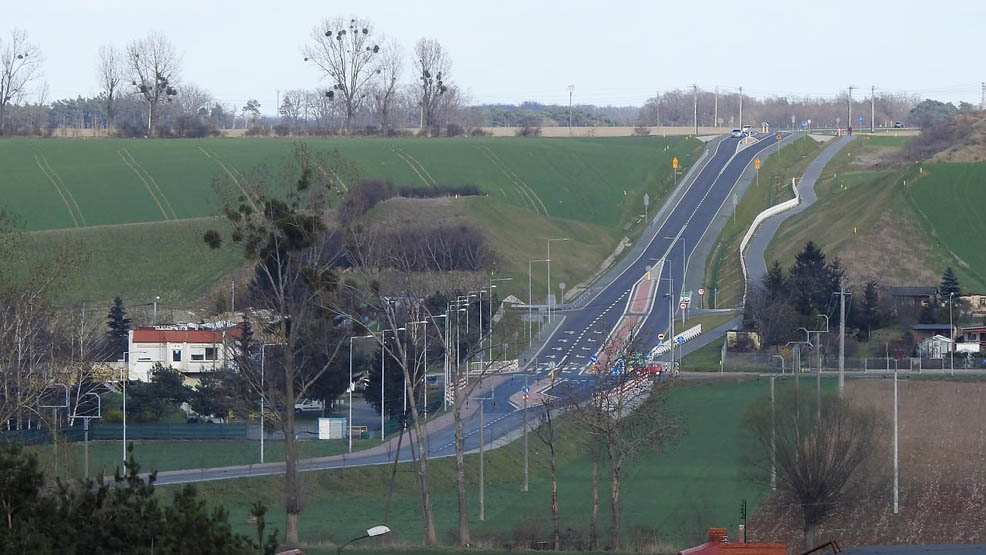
(184, 348)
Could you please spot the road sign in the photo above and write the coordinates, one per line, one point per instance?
(701, 290)
(593, 358)
(674, 162)
(756, 163)
(660, 337)
(778, 136)
(683, 306)
(681, 340)
(860, 119)
(646, 200)
(525, 389)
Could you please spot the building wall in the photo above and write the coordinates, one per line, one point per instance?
(143, 356)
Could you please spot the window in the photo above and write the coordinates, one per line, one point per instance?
(982, 301)
(198, 356)
(210, 353)
(176, 355)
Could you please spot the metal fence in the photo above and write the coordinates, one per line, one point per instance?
(765, 362)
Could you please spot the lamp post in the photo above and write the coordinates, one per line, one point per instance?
(951, 336)
(547, 299)
(482, 481)
(123, 386)
(530, 301)
(370, 533)
(684, 262)
(383, 377)
(492, 286)
(351, 387)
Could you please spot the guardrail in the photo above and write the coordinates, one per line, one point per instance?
(690, 333)
(775, 209)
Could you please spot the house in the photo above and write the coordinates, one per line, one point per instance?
(718, 544)
(927, 331)
(975, 335)
(976, 304)
(183, 347)
(916, 296)
(935, 347)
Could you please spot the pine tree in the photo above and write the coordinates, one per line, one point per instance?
(871, 307)
(811, 280)
(949, 284)
(119, 328)
(774, 282)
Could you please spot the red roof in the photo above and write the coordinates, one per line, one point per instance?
(151, 335)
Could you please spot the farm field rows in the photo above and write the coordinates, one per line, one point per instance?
(78, 183)
(136, 209)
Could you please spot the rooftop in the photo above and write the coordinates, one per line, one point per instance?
(913, 291)
(155, 335)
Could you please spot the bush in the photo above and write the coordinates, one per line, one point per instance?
(454, 130)
(641, 131)
(528, 131)
(257, 131)
(282, 129)
(478, 132)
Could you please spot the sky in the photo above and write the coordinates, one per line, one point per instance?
(617, 52)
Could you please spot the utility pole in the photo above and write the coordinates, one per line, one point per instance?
(872, 106)
(741, 108)
(849, 121)
(695, 95)
(525, 431)
(842, 337)
(896, 472)
(982, 101)
(773, 467)
(571, 89)
(715, 117)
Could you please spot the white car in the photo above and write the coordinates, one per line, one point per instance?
(307, 405)
(737, 133)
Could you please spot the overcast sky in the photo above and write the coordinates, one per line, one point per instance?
(613, 51)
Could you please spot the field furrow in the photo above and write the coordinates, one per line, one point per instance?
(147, 185)
(58, 189)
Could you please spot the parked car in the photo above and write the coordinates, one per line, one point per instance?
(898, 125)
(308, 405)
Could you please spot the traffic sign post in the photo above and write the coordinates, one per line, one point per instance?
(593, 358)
(701, 300)
(674, 169)
(660, 337)
(756, 164)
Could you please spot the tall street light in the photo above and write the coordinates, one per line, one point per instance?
(494, 280)
(530, 300)
(370, 533)
(482, 441)
(383, 377)
(351, 387)
(951, 336)
(571, 89)
(547, 299)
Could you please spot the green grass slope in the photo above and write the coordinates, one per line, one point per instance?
(137, 209)
(676, 494)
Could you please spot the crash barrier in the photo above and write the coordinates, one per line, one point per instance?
(690, 333)
(775, 209)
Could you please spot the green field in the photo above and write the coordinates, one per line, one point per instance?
(951, 197)
(897, 224)
(673, 495)
(142, 206)
(722, 269)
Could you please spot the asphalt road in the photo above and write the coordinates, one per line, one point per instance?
(579, 334)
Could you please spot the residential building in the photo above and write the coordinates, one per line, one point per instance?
(975, 303)
(973, 335)
(927, 331)
(184, 347)
(916, 296)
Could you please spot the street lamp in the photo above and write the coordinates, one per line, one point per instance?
(351, 387)
(383, 375)
(492, 281)
(123, 386)
(547, 299)
(684, 263)
(951, 336)
(482, 481)
(530, 301)
(370, 533)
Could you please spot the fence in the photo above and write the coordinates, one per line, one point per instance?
(766, 362)
(99, 431)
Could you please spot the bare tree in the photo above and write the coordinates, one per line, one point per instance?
(385, 86)
(432, 66)
(623, 412)
(110, 72)
(154, 66)
(819, 456)
(346, 53)
(294, 280)
(545, 431)
(193, 100)
(20, 65)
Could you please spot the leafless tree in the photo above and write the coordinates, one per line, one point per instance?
(819, 457)
(623, 412)
(432, 66)
(110, 71)
(294, 260)
(192, 99)
(546, 432)
(154, 67)
(20, 65)
(385, 86)
(346, 52)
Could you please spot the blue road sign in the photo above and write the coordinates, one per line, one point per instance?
(593, 358)
(680, 340)
(526, 389)
(804, 123)
(860, 119)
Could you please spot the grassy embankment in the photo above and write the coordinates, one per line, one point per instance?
(899, 224)
(722, 269)
(97, 197)
(671, 495)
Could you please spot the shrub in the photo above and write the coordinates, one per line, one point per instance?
(641, 131)
(528, 131)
